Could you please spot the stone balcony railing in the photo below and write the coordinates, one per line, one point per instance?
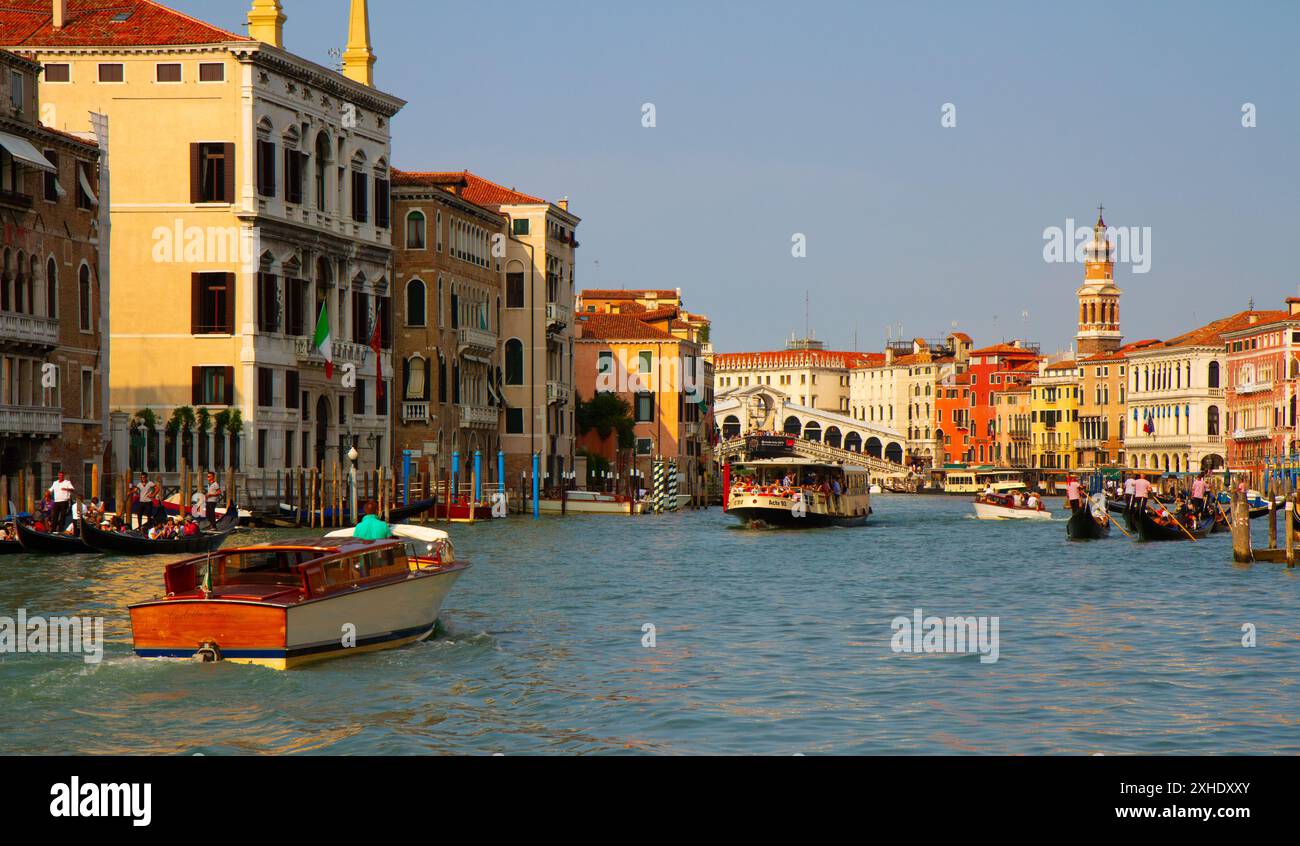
(478, 417)
(558, 393)
(476, 341)
(29, 329)
(27, 420)
(344, 352)
(558, 316)
(1254, 388)
(1255, 433)
(415, 412)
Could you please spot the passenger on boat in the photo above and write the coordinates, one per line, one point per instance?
(1034, 503)
(190, 529)
(11, 534)
(371, 526)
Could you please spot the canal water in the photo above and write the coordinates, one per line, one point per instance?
(763, 642)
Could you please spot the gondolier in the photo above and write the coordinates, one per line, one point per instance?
(1129, 487)
(62, 491)
(1198, 495)
(1141, 492)
(146, 494)
(1072, 493)
(212, 498)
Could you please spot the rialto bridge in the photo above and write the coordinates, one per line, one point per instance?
(758, 409)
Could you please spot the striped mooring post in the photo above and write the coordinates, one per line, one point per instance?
(658, 486)
(672, 486)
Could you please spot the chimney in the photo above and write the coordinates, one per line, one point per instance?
(889, 355)
(60, 13)
(563, 203)
(266, 22)
(1293, 305)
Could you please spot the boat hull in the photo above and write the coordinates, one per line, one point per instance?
(1149, 530)
(784, 518)
(47, 544)
(1082, 525)
(602, 505)
(282, 637)
(987, 511)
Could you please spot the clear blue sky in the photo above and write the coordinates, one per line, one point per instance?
(823, 118)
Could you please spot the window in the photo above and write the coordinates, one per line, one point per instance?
(212, 173)
(382, 203)
(52, 179)
(605, 368)
(263, 447)
(381, 399)
(112, 72)
(295, 162)
(295, 295)
(266, 168)
(520, 227)
(83, 296)
(58, 73)
(86, 199)
(360, 197)
(212, 304)
(167, 72)
(644, 446)
(17, 90)
(437, 230)
(416, 313)
(1212, 421)
(514, 362)
(514, 421)
(212, 72)
(359, 398)
(268, 303)
(645, 408)
(514, 290)
(213, 386)
(291, 395)
(52, 289)
(415, 231)
(87, 395)
(645, 361)
(265, 387)
(415, 378)
(1214, 374)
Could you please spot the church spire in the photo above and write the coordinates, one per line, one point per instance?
(1099, 297)
(359, 58)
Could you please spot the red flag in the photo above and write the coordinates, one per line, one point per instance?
(377, 344)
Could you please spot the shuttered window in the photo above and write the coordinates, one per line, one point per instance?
(212, 304)
(212, 173)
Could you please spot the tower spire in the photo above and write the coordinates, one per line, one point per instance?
(1099, 297)
(359, 58)
(266, 22)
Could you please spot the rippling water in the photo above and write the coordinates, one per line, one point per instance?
(767, 642)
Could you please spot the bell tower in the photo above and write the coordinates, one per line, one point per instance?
(1099, 297)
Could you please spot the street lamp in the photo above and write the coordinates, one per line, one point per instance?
(353, 455)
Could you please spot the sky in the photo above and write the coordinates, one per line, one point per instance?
(825, 120)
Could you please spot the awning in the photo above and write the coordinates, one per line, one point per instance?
(85, 186)
(480, 359)
(22, 150)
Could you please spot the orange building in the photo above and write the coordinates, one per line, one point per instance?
(953, 419)
(991, 369)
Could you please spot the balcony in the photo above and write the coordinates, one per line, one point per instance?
(690, 430)
(28, 329)
(344, 353)
(1254, 388)
(558, 316)
(558, 393)
(478, 417)
(415, 412)
(476, 342)
(30, 421)
(1257, 433)
(16, 200)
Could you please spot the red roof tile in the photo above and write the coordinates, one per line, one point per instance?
(1210, 335)
(474, 188)
(796, 358)
(1003, 349)
(643, 294)
(29, 23)
(619, 327)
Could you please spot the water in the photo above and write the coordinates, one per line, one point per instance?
(767, 642)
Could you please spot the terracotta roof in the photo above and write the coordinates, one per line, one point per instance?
(1210, 335)
(1122, 353)
(1003, 349)
(619, 327)
(643, 294)
(90, 23)
(962, 336)
(474, 188)
(1063, 365)
(797, 358)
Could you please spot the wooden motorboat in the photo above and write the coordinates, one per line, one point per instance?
(1088, 523)
(46, 543)
(999, 507)
(285, 605)
(759, 495)
(590, 502)
(1156, 523)
(136, 544)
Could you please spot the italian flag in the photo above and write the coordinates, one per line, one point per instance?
(323, 343)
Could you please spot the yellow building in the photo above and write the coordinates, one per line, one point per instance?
(250, 191)
(1054, 416)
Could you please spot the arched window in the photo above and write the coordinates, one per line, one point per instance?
(514, 362)
(731, 427)
(441, 316)
(1212, 421)
(416, 227)
(322, 168)
(1214, 375)
(83, 295)
(20, 283)
(415, 303)
(793, 426)
(52, 289)
(416, 379)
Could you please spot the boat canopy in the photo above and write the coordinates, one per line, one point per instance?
(422, 534)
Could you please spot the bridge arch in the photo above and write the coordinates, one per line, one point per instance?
(731, 427)
(894, 453)
(793, 426)
(853, 442)
(812, 431)
(834, 437)
(875, 449)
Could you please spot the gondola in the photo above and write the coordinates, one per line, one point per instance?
(48, 544)
(1084, 524)
(406, 512)
(1150, 529)
(137, 545)
(11, 547)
